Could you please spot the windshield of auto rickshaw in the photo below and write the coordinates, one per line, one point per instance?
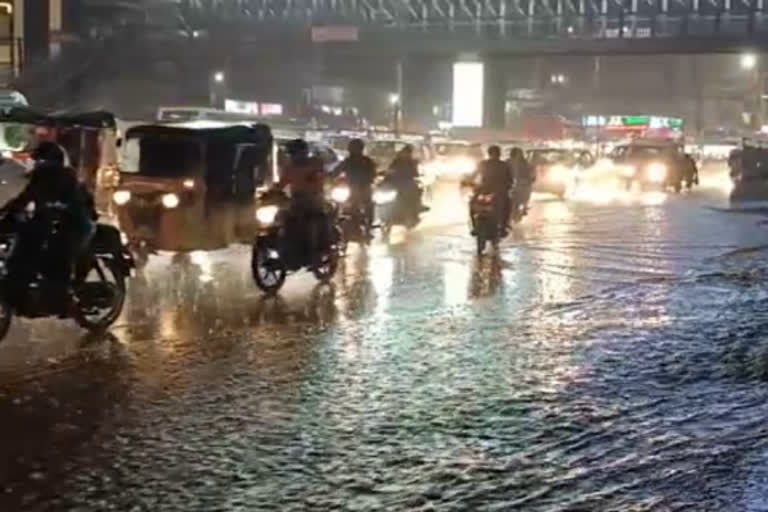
(162, 157)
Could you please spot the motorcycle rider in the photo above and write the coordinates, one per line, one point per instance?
(524, 175)
(56, 193)
(360, 173)
(403, 175)
(304, 175)
(493, 176)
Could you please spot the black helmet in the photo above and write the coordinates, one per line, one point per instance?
(297, 147)
(49, 153)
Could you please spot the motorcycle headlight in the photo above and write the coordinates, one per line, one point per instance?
(121, 197)
(657, 172)
(384, 196)
(170, 200)
(266, 214)
(340, 194)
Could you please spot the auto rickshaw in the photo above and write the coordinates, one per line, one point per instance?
(90, 140)
(184, 189)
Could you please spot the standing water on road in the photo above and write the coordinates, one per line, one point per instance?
(611, 357)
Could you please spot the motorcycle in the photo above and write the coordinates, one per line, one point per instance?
(355, 225)
(277, 250)
(393, 209)
(99, 284)
(486, 219)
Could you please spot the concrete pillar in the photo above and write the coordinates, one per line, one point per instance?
(495, 96)
(36, 29)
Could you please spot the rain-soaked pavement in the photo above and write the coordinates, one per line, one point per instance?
(612, 357)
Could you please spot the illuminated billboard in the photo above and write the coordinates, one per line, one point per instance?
(468, 93)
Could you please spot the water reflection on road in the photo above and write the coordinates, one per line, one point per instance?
(609, 357)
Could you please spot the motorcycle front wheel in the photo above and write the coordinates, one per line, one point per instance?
(325, 269)
(100, 295)
(268, 269)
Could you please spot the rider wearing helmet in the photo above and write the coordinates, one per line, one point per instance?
(360, 173)
(56, 194)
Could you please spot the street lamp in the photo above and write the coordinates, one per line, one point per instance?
(218, 77)
(748, 61)
(394, 101)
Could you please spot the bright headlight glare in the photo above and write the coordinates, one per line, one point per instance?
(189, 184)
(121, 196)
(627, 171)
(384, 196)
(559, 172)
(657, 172)
(340, 194)
(170, 200)
(465, 165)
(266, 214)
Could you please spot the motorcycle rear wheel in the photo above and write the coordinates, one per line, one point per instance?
(104, 316)
(6, 315)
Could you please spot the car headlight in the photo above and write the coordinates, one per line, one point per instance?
(657, 172)
(189, 184)
(340, 194)
(384, 196)
(170, 200)
(628, 171)
(121, 196)
(266, 214)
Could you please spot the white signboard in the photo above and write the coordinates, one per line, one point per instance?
(468, 83)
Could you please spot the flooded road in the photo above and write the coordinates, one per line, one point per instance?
(612, 356)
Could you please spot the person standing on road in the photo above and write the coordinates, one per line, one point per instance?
(524, 175)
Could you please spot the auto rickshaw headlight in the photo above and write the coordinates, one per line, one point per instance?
(657, 172)
(170, 200)
(266, 214)
(340, 194)
(188, 184)
(121, 197)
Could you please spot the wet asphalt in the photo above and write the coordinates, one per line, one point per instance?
(611, 356)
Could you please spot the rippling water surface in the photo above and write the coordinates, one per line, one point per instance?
(611, 358)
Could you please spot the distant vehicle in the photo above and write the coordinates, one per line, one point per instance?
(456, 159)
(184, 190)
(384, 151)
(650, 164)
(555, 169)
